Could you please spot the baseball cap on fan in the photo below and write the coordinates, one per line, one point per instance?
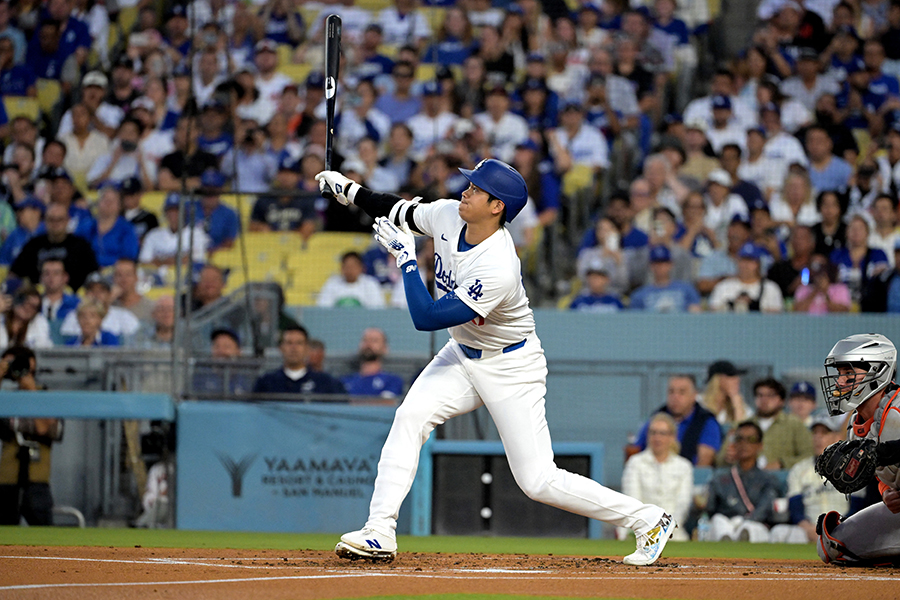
(821, 417)
(723, 367)
(803, 388)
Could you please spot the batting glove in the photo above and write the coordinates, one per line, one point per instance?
(398, 241)
(332, 183)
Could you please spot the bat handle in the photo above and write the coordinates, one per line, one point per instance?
(328, 193)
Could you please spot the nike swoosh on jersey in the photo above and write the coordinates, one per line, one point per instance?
(443, 238)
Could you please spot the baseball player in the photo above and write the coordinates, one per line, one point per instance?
(493, 358)
(858, 373)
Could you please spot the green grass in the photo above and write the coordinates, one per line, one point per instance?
(476, 597)
(166, 538)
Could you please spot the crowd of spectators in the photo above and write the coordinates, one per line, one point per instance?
(686, 178)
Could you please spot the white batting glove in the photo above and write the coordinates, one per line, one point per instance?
(332, 183)
(398, 241)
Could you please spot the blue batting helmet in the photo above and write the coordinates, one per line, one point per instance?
(500, 181)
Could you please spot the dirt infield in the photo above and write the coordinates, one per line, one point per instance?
(64, 573)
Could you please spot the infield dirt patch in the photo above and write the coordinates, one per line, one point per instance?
(136, 573)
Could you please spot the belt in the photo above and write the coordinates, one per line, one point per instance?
(475, 353)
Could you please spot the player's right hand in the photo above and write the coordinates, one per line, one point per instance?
(332, 183)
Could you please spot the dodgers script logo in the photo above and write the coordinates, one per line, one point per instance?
(475, 290)
(444, 279)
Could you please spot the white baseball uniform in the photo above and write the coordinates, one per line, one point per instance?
(509, 379)
(874, 532)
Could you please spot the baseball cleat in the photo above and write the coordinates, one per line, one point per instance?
(651, 543)
(368, 544)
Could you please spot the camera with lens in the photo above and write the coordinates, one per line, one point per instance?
(19, 363)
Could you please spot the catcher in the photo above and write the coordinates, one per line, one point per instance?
(858, 377)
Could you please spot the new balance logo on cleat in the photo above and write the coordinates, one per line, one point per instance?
(373, 544)
(367, 544)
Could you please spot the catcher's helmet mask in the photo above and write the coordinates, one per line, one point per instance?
(871, 356)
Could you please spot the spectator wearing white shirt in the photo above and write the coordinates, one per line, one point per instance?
(207, 76)
(659, 474)
(724, 129)
(160, 245)
(352, 287)
(808, 84)
(354, 21)
(432, 123)
(758, 168)
(722, 206)
(358, 118)
(584, 142)
(796, 204)
(781, 147)
(125, 160)
(403, 25)
(105, 117)
(748, 291)
(503, 130)
(118, 321)
(269, 81)
(722, 85)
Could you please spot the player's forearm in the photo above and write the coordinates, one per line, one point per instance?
(428, 314)
(375, 204)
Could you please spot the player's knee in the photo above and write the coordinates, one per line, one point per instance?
(829, 547)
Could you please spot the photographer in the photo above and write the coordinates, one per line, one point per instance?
(25, 458)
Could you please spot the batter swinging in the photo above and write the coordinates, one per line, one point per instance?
(494, 358)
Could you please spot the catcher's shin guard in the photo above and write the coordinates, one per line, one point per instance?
(831, 549)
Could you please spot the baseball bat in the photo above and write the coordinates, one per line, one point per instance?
(332, 69)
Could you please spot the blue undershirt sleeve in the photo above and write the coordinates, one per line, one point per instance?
(428, 314)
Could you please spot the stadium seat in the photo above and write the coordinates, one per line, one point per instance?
(309, 266)
(128, 17)
(285, 54)
(49, 92)
(374, 6)
(576, 179)
(21, 106)
(296, 72)
(426, 71)
(153, 202)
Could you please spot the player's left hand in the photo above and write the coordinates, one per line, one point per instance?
(398, 241)
(891, 499)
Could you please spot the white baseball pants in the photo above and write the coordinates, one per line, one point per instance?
(872, 533)
(512, 387)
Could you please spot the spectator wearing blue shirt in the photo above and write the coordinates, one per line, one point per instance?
(176, 34)
(7, 30)
(537, 104)
(293, 377)
(699, 433)
(826, 171)
(113, 235)
(595, 298)
(893, 282)
(858, 263)
(400, 104)
(74, 34)
(544, 183)
(282, 23)
(90, 315)
(56, 303)
(248, 162)
(15, 80)
(213, 136)
(47, 55)
(372, 380)
(881, 84)
(455, 41)
(220, 222)
(29, 216)
(665, 294)
(620, 212)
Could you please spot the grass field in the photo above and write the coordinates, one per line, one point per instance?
(165, 538)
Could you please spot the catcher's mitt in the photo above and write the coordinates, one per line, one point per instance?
(849, 465)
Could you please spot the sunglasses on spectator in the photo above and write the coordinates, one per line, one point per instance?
(749, 439)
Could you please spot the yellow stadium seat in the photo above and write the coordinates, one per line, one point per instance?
(579, 177)
(389, 50)
(296, 72)
(49, 92)
(285, 54)
(434, 15)
(128, 17)
(426, 71)
(374, 6)
(157, 292)
(153, 202)
(309, 266)
(21, 106)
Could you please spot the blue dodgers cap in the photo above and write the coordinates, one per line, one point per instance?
(856, 65)
(660, 254)
(315, 80)
(803, 388)
(172, 201)
(289, 163)
(431, 88)
(759, 204)
(721, 101)
(30, 202)
(61, 173)
(131, 185)
(212, 178)
(225, 331)
(530, 144)
(750, 250)
(501, 181)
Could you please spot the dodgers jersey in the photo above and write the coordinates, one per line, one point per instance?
(487, 278)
